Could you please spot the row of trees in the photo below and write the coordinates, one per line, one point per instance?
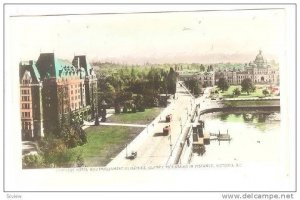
(135, 89)
(246, 85)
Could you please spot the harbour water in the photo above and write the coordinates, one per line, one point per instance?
(255, 137)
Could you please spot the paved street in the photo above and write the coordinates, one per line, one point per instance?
(154, 148)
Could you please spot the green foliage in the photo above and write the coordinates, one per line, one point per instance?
(202, 68)
(133, 108)
(265, 92)
(229, 93)
(171, 81)
(236, 92)
(193, 85)
(53, 153)
(117, 108)
(73, 136)
(139, 102)
(33, 161)
(247, 86)
(120, 86)
(223, 84)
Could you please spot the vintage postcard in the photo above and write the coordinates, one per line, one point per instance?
(150, 98)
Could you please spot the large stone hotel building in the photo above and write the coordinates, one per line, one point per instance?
(51, 87)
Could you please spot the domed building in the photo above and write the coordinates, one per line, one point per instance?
(259, 71)
(259, 60)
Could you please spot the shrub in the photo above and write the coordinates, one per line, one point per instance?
(265, 92)
(33, 161)
(236, 92)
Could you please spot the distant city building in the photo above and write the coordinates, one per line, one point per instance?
(52, 87)
(206, 79)
(259, 71)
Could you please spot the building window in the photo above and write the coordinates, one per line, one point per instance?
(25, 114)
(26, 125)
(25, 81)
(25, 105)
(25, 98)
(24, 91)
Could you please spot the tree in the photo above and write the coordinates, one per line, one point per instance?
(236, 92)
(223, 84)
(139, 102)
(171, 81)
(55, 153)
(73, 135)
(193, 85)
(247, 86)
(210, 68)
(265, 92)
(202, 68)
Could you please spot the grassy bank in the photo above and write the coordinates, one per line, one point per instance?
(136, 118)
(105, 142)
(229, 93)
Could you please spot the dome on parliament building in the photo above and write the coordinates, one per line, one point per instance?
(259, 60)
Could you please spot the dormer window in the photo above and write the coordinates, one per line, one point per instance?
(26, 78)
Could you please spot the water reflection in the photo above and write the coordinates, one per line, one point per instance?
(253, 116)
(255, 136)
(256, 118)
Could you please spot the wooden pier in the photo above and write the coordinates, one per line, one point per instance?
(220, 137)
(200, 138)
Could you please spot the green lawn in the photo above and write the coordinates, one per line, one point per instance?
(105, 142)
(136, 118)
(229, 92)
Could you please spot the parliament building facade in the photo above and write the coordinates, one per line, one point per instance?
(259, 71)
